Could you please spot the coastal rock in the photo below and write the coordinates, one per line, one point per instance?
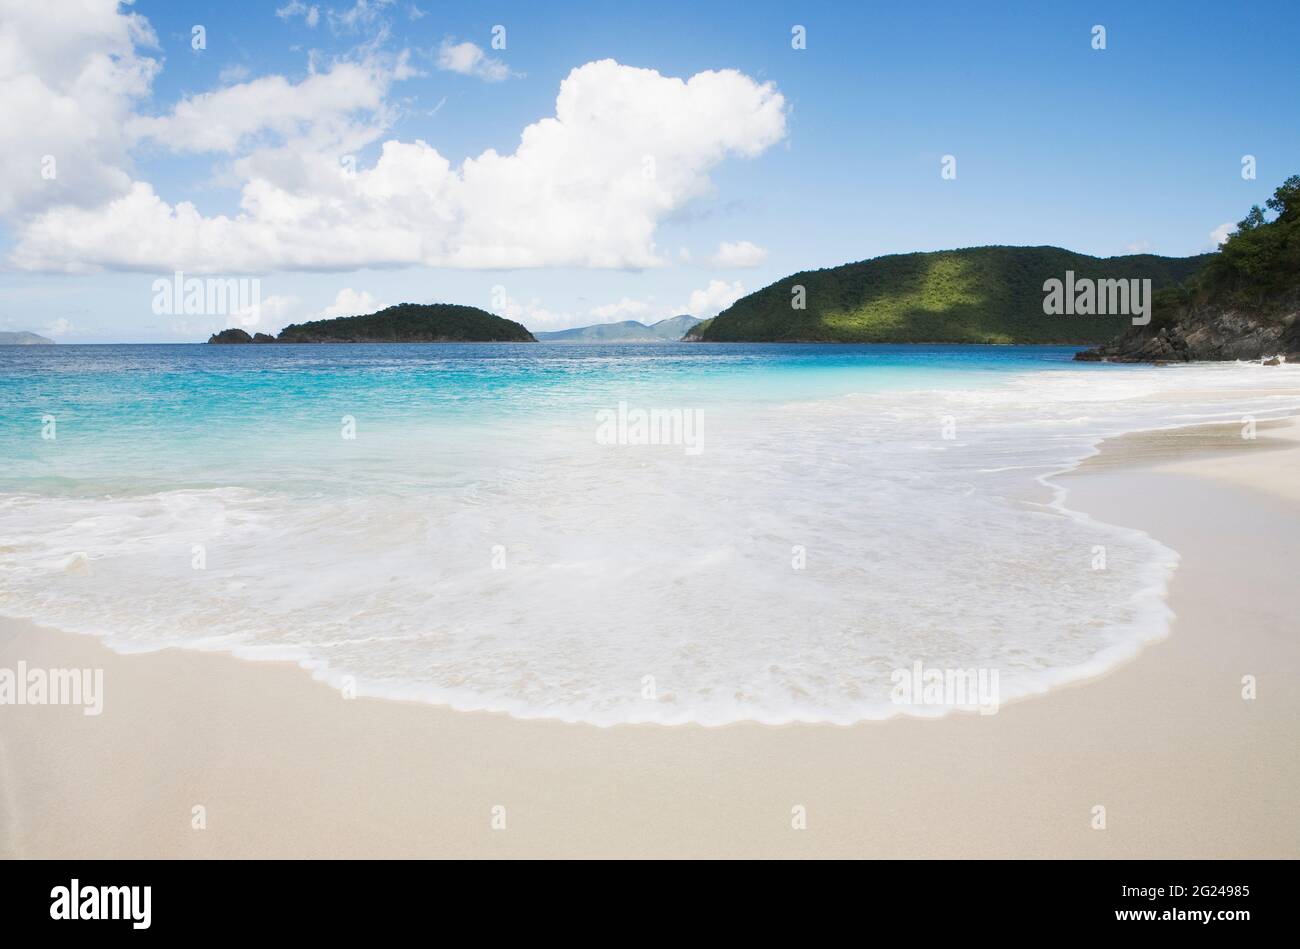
(233, 335)
(1209, 333)
(263, 338)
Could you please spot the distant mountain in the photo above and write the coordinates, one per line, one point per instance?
(24, 339)
(973, 295)
(404, 323)
(628, 331)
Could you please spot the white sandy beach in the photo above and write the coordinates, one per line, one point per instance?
(285, 767)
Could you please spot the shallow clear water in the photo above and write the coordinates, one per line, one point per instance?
(480, 543)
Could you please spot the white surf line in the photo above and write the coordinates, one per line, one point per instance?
(1060, 495)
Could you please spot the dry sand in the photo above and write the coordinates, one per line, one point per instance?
(284, 766)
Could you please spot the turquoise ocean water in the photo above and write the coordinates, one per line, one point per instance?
(447, 522)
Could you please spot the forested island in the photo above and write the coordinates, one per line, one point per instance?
(404, 323)
(1241, 302)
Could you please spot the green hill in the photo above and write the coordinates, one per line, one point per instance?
(410, 323)
(973, 295)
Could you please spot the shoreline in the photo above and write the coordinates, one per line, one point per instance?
(1057, 493)
(286, 767)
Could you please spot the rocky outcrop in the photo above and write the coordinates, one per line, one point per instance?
(1207, 332)
(233, 335)
(236, 335)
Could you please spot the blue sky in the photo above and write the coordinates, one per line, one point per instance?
(1137, 147)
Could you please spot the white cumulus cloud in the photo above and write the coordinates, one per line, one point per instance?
(318, 108)
(349, 302)
(707, 301)
(1222, 233)
(574, 191)
(714, 298)
(274, 310)
(532, 315)
(738, 254)
(68, 85)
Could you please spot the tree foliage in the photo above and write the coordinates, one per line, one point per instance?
(1259, 263)
(974, 295)
(410, 323)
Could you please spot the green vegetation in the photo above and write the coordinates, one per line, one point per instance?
(1243, 304)
(232, 336)
(699, 330)
(1168, 303)
(1259, 264)
(974, 295)
(410, 323)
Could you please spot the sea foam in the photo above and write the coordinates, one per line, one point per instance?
(512, 562)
